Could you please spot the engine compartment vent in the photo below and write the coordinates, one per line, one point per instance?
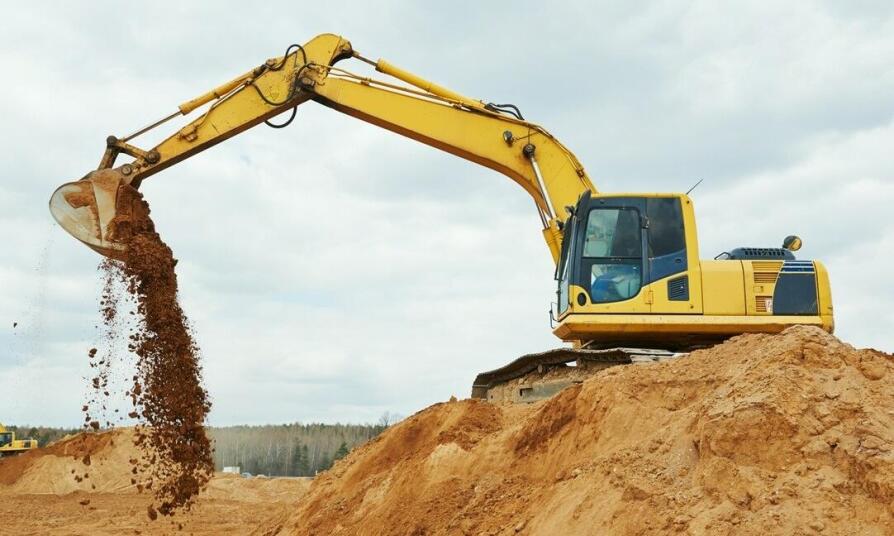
(750, 254)
(766, 272)
(678, 289)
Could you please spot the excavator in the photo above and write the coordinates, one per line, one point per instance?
(630, 284)
(9, 445)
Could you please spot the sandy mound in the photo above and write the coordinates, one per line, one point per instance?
(786, 434)
(41, 495)
(59, 468)
(54, 470)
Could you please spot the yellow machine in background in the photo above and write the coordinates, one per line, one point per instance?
(628, 266)
(9, 445)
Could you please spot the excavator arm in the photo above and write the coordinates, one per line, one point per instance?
(494, 136)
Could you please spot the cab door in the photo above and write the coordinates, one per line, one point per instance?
(608, 248)
(673, 277)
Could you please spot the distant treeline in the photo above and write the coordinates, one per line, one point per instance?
(274, 449)
(288, 449)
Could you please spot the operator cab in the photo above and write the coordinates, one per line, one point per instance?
(629, 275)
(615, 246)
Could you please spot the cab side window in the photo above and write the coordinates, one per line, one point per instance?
(613, 232)
(667, 237)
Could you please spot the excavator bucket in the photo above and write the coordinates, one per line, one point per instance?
(100, 210)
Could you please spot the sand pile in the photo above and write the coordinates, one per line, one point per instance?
(85, 462)
(786, 434)
(40, 496)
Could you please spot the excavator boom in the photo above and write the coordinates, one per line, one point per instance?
(485, 134)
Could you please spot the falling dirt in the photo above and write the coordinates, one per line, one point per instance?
(765, 434)
(166, 391)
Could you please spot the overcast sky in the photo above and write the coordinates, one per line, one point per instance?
(334, 271)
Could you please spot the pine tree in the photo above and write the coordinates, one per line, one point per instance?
(305, 470)
(299, 459)
(341, 452)
(325, 462)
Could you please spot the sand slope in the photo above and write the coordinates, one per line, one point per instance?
(785, 434)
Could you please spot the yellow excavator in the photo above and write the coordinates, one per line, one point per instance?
(9, 445)
(627, 265)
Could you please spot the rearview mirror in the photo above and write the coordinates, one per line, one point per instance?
(792, 243)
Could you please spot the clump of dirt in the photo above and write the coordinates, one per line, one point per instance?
(783, 434)
(166, 391)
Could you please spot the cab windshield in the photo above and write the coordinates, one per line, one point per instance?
(613, 254)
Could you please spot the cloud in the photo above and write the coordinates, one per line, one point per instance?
(334, 271)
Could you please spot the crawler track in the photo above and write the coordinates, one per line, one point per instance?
(541, 375)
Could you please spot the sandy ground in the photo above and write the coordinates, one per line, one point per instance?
(219, 512)
(45, 492)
